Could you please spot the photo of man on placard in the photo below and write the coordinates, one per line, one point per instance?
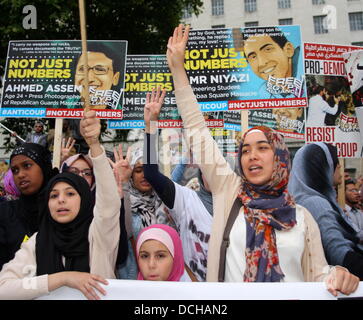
(274, 59)
(105, 75)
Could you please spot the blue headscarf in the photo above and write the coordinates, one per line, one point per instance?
(312, 175)
(311, 184)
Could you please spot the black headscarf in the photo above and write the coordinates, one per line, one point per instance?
(28, 204)
(40, 155)
(70, 240)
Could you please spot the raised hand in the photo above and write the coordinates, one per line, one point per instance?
(176, 47)
(67, 148)
(86, 283)
(90, 128)
(153, 104)
(121, 167)
(175, 55)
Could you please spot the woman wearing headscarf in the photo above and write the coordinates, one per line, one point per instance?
(142, 205)
(76, 245)
(19, 219)
(160, 254)
(81, 164)
(314, 175)
(258, 233)
(146, 206)
(191, 211)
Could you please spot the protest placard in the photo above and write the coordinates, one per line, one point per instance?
(46, 78)
(287, 121)
(331, 115)
(354, 66)
(273, 70)
(143, 74)
(225, 75)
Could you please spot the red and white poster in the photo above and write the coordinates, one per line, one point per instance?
(354, 66)
(330, 116)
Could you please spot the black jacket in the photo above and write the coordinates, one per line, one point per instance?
(18, 219)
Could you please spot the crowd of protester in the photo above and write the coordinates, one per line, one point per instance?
(98, 218)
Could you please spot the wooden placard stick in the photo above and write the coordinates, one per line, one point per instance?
(82, 16)
(59, 121)
(341, 187)
(57, 149)
(244, 121)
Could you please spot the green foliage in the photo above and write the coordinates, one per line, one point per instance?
(146, 24)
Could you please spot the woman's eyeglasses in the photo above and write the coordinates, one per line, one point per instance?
(83, 173)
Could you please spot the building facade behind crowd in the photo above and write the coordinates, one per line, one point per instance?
(344, 24)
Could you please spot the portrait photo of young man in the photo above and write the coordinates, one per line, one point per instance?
(106, 70)
(275, 59)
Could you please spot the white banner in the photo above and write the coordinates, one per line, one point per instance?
(164, 290)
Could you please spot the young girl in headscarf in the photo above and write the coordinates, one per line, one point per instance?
(76, 245)
(160, 254)
(19, 219)
(258, 233)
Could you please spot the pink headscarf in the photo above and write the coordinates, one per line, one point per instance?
(9, 185)
(168, 237)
